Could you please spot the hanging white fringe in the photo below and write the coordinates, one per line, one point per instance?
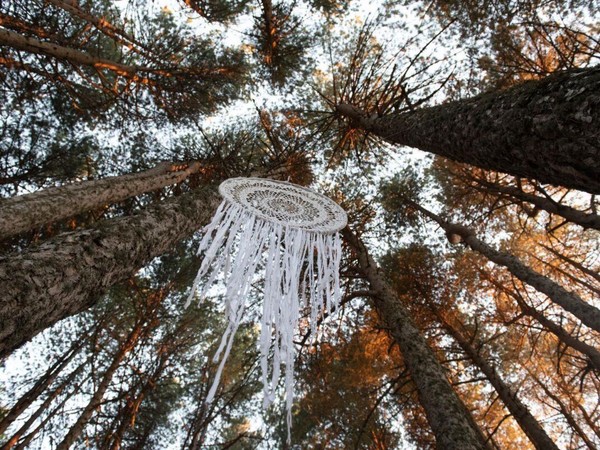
(289, 235)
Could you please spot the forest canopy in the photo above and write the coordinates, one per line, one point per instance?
(461, 137)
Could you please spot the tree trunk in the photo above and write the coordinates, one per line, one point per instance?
(118, 34)
(65, 275)
(128, 415)
(519, 411)
(36, 390)
(12, 442)
(25, 212)
(588, 314)
(80, 58)
(128, 345)
(563, 335)
(566, 413)
(447, 415)
(586, 220)
(545, 129)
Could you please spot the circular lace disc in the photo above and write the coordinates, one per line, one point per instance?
(285, 203)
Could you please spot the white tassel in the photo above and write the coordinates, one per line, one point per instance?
(298, 264)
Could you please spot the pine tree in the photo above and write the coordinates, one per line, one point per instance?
(537, 129)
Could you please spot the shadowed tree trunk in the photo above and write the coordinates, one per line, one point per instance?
(138, 330)
(138, 74)
(67, 274)
(586, 220)
(447, 415)
(588, 314)
(519, 411)
(43, 408)
(545, 129)
(41, 384)
(25, 212)
(563, 335)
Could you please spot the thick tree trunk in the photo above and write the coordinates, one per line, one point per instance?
(588, 314)
(25, 212)
(519, 411)
(545, 129)
(65, 275)
(447, 415)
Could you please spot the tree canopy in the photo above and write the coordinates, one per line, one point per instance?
(461, 137)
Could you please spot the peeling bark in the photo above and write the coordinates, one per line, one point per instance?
(67, 274)
(447, 415)
(546, 129)
(25, 212)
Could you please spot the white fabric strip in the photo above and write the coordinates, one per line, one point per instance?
(296, 264)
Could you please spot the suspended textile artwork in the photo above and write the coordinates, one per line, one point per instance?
(288, 236)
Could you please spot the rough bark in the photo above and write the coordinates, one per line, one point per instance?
(67, 274)
(447, 415)
(25, 212)
(586, 313)
(519, 411)
(545, 129)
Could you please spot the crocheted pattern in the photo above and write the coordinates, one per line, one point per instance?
(285, 203)
(286, 235)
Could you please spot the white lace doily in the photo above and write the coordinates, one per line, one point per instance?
(285, 203)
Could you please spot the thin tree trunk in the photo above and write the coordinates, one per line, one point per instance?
(119, 35)
(594, 274)
(545, 129)
(447, 415)
(269, 32)
(25, 212)
(129, 343)
(12, 442)
(127, 418)
(563, 335)
(586, 220)
(519, 411)
(67, 274)
(41, 384)
(588, 314)
(565, 412)
(78, 57)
